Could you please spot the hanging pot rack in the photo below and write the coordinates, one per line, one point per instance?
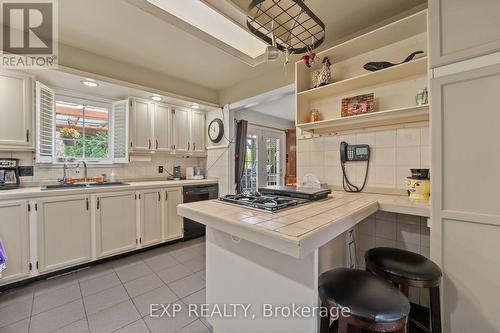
(289, 25)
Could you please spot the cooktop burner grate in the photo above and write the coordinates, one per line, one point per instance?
(268, 203)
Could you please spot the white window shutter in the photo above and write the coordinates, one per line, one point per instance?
(46, 123)
(120, 131)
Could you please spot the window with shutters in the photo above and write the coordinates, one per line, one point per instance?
(71, 128)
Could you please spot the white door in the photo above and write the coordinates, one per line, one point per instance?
(273, 150)
(64, 229)
(173, 227)
(14, 233)
(181, 129)
(115, 223)
(150, 217)
(140, 124)
(162, 127)
(265, 158)
(197, 128)
(16, 110)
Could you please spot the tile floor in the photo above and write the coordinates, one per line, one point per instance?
(114, 296)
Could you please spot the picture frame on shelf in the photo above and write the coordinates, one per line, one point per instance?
(356, 105)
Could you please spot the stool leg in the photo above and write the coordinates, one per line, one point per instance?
(343, 326)
(435, 305)
(324, 324)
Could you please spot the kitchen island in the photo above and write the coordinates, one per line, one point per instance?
(271, 261)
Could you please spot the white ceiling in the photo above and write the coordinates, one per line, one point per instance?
(283, 108)
(118, 30)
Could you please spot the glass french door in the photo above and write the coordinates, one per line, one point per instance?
(264, 159)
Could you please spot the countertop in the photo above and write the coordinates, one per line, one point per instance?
(299, 230)
(37, 192)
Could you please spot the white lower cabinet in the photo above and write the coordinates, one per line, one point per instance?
(64, 232)
(115, 223)
(172, 222)
(14, 233)
(150, 217)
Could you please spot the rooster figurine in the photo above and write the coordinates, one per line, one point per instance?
(325, 75)
(309, 59)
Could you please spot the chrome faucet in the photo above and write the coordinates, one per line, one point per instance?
(64, 179)
(85, 169)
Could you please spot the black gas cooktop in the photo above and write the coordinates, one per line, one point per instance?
(273, 198)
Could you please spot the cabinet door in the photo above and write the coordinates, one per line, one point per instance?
(197, 136)
(181, 129)
(162, 126)
(150, 217)
(173, 226)
(64, 229)
(115, 223)
(14, 233)
(15, 110)
(465, 223)
(140, 124)
(462, 29)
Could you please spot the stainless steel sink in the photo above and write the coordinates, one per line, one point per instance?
(83, 185)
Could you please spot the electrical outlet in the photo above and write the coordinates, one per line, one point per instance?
(25, 171)
(160, 169)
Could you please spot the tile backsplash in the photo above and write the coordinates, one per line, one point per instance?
(402, 231)
(133, 170)
(393, 153)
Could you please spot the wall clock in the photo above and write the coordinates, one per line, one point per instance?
(216, 130)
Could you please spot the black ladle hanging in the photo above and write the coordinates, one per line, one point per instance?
(376, 66)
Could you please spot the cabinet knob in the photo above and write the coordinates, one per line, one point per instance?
(156, 144)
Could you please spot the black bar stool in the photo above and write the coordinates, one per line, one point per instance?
(408, 269)
(370, 302)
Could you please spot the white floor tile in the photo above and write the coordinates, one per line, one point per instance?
(143, 285)
(161, 262)
(15, 312)
(174, 273)
(105, 299)
(167, 324)
(162, 295)
(56, 298)
(136, 327)
(133, 272)
(187, 286)
(80, 326)
(113, 318)
(57, 318)
(18, 327)
(195, 327)
(99, 284)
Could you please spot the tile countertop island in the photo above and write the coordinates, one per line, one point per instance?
(268, 259)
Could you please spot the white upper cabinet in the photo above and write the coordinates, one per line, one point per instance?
(462, 29)
(162, 127)
(181, 129)
(141, 115)
(189, 131)
(16, 109)
(197, 132)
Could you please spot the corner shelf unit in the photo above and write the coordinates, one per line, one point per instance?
(394, 87)
(381, 118)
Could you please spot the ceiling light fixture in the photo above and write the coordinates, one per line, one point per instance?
(195, 106)
(90, 83)
(156, 97)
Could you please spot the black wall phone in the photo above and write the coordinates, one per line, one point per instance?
(353, 153)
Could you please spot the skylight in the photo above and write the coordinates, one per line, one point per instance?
(201, 16)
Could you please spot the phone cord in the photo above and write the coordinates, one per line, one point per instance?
(347, 185)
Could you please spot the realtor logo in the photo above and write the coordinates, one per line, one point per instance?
(29, 33)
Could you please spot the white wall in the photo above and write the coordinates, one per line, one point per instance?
(393, 153)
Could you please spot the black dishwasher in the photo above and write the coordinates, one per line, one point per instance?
(194, 193)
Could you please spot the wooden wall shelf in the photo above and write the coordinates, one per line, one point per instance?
(380, 118)
(412, 68)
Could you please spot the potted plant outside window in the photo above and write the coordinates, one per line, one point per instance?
(69, 136)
